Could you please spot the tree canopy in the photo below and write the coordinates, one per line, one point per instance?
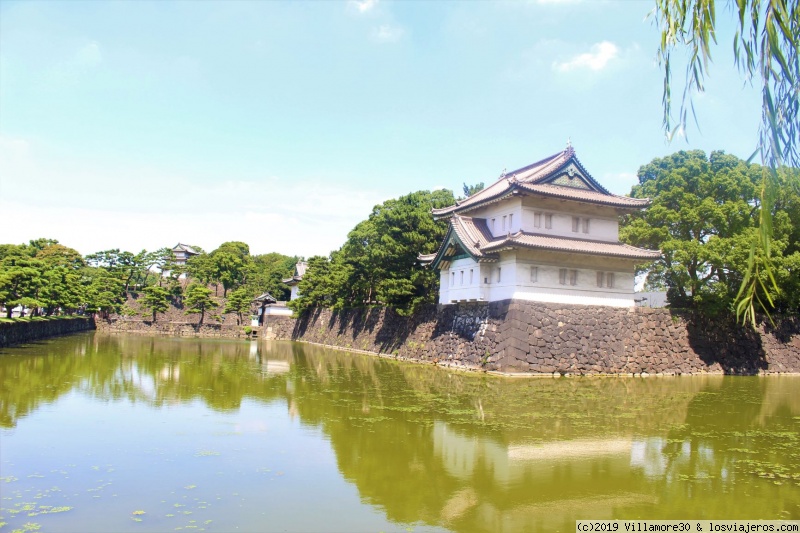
(378, 262)
(198, 300)
(767, 48)
(703, 218)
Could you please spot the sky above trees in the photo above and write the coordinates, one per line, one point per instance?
(140, 125)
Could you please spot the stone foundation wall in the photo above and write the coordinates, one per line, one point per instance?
(12, 333)
(173, 329)
(531, 337)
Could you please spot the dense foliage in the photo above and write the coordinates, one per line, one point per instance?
(378, 262)
(766, 48)
(704, 219)
(45, 277)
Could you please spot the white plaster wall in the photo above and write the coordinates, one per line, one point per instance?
(444, 286)
(511, 209)
(294, 293)
(600, 228)
(460, 287)
(603, 227)
(515, 282)
(507, 284)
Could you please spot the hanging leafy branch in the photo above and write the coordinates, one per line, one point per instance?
(766, 47)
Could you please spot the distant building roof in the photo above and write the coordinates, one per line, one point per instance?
(265, 298)
(184, 248)
(559, 176)
(299, 272)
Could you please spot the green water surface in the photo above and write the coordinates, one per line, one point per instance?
(104, 433)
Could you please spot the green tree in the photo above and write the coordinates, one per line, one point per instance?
(60, 255)
(469, 190)
(198, 300)
(156, 298)
(20, 282)
(201, 268)
(316, 286)
(61, 290)
(378, 262)
(105, 293)
(766, 46)
(127, 266)
(230, 264)
(266, 272)
(702, 218)
(239, 302)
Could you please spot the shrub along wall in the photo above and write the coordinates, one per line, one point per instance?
(530, 337)
(22, 331)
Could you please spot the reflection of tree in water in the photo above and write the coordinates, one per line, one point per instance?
(739, 444)
(156, 371)
(466, 451)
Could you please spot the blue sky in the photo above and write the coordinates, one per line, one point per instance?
(139, 125)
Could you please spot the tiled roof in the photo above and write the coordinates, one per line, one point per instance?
(594, 197)
(473, 235)
(563, 244)
(534, 179)
(265, 298)
(299, 271)
(184, 248)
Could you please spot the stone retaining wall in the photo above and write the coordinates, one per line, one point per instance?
(24, 331)
(529, 337)
(173, 329)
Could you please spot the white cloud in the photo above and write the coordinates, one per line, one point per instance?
(597, 59)
(364, 5)
(388, 34)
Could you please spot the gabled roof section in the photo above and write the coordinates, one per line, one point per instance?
(559, 176)
(466, 234)
(184, 248)
(265, 298)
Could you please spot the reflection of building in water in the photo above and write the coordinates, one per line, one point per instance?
(518, 487)
(660, 458)
(270, 366)
(462, 454)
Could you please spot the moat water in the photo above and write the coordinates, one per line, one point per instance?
(103, 433)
